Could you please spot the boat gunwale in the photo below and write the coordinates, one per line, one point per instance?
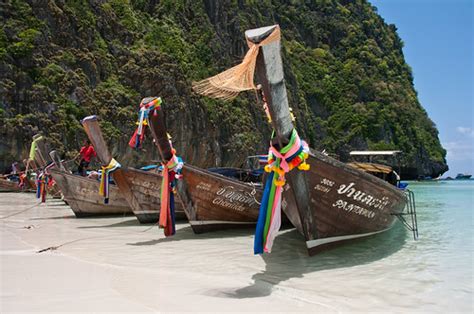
(366, 176)
(220, 176)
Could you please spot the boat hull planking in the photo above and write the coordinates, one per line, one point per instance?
(346, 204)
(82, 195)
(216, 202)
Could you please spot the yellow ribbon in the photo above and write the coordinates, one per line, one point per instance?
(104, 179)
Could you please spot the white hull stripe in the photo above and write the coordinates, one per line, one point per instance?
(215, 222)
(313, 243)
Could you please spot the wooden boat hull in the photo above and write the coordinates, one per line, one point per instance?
(146, 189)
(41, 159)
(346, 204)
(82, 195)
(216, 202)
(10, 186)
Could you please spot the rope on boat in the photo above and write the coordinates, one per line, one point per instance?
(253, 193)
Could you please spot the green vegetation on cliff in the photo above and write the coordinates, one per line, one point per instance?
(347, 80)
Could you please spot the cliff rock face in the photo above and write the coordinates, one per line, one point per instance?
(347, 80)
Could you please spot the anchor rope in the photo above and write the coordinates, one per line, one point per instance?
(21, 211)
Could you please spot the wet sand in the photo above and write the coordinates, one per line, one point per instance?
(115, 265)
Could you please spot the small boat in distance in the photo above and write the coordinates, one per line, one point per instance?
(42, 160)
(9, 185)
(463, 176)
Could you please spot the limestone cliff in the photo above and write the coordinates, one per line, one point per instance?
(348, 83)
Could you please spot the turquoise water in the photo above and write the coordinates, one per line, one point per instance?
(445, 220)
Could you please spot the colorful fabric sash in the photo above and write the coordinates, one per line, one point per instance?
(104, 179)
(41, 184)
(171, 172)
(139, 134)
(51, 181)
(279, 162)
(23, 180)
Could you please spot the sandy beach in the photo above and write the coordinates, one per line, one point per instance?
(117, 265)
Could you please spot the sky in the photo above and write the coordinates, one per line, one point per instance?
(438, 37)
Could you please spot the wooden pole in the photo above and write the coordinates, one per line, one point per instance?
(269, 72)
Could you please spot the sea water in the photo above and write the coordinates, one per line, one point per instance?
(116, 264)
(445, 247)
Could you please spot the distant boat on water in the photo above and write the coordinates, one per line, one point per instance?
(463, 176)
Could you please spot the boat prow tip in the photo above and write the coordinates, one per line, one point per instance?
(257, 35)
(89, 118)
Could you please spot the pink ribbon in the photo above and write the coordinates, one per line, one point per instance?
(291, 152)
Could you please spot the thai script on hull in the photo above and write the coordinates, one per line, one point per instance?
(351, 192)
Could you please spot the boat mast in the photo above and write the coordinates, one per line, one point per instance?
(269, 73)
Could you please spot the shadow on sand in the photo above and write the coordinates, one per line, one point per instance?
(289, 259)
(187, 233)
(130, 222)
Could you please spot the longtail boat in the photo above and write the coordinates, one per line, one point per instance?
(328, 202)
(140, 188)
(24, 183)
(7, 185)
(82, 193)
(212, 201)
(44, 163)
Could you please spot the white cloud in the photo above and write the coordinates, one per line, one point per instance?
(466, 131)
(459, 150)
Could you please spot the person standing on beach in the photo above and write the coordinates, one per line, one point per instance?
(86, 153)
